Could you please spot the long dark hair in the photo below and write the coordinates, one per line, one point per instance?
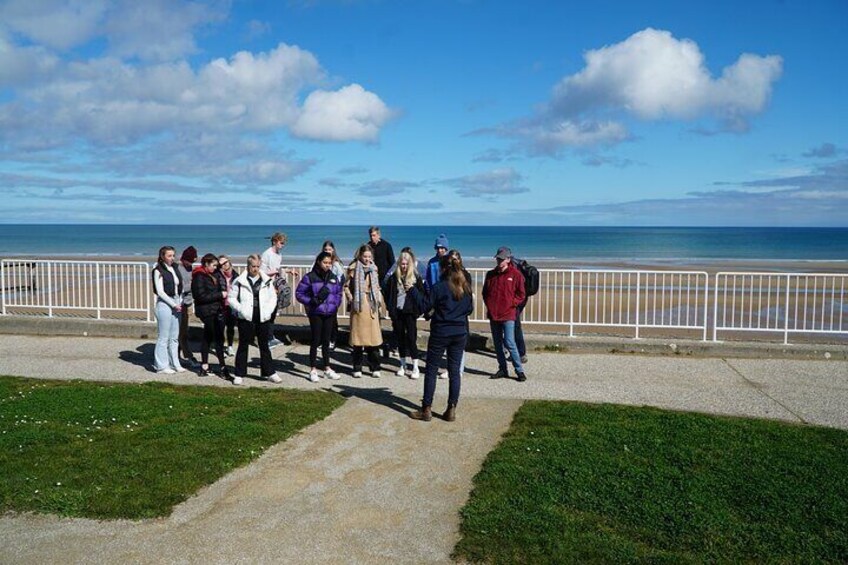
(335, 256)
(162, 251)
(454, 273)
(320, 257)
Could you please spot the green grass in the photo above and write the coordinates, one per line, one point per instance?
(576, 483)
(134, 451)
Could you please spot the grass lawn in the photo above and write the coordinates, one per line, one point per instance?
(575, 483)
(134, 451)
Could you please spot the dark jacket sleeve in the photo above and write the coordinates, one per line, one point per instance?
(422, 299)
(205, 290)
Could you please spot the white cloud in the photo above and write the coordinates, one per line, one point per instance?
(649, 76)
(56, 24)
(350, 113)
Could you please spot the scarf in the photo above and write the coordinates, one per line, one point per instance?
(359, 276)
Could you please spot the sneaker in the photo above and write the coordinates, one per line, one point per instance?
(225, 373)
(357, 374)
(523, 359)
(332, 346)
(443, 373)
(230, 351)
(401, 372)
(274, 378)
(180, 369)
(313, 376)
(521, 377)
(375, 374)
(415, 373)
(203, 372)
(237, 380)
(501, 374)
(274, 342)
(331, 374)
(193, 363)
(165, 372)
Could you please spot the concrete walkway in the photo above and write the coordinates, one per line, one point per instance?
(367, 484)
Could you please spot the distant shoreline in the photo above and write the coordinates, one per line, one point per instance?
(660, 264)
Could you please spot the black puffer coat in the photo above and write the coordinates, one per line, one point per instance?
(208, 293)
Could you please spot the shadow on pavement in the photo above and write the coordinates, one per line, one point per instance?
(381, 396)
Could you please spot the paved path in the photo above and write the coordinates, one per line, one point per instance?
(367, 484)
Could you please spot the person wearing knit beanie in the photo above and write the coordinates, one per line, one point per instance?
(184, 269)
(441, 241)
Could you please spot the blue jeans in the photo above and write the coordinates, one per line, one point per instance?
(503, 334)
(166, 355)
(455, 345)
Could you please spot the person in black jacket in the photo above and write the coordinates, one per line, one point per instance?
(384, 258)
(452, 303)
(404, 312)
(210, 294)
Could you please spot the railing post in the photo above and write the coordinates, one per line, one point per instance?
(715, 310)
(97, 288)
(638, 296)
(149, 293)
(706, 303)
(571, 309)
(3, 284)
(49, 289)
(786, 315)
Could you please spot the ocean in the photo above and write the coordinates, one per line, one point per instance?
(682, 245)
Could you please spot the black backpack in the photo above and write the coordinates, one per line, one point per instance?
(531, 276)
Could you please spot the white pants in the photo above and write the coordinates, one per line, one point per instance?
(166, 354)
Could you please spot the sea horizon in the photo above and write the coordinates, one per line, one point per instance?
(545, 244)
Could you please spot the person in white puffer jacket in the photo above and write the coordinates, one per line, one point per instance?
(254, 300)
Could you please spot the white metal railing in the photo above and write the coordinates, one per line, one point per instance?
(808, 303)
(74, 288)
(788, 303)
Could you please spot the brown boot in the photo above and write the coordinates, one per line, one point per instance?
(450, 413)
(425, 414)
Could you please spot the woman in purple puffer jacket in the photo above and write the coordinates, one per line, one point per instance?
(321, 293)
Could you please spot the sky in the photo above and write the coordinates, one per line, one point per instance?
(439, 112)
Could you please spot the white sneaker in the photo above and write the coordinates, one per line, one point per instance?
(180, 370)
(375, 374)
(357, 374)
(443, 373)
(166, 372)
(230, 351)
(415, 373)
(274, 378)
(401, 372)
(331, 374)
(237, 380)
(274, 342)
(313, 376)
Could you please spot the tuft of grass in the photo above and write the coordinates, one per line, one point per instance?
(134, 451)
(574, 483)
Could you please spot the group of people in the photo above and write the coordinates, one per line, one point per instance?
(374, 284)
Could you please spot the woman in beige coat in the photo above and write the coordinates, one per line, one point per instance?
(362, 290)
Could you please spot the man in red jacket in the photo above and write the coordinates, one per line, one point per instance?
(503, 291)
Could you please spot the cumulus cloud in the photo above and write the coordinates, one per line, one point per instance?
(384, 187)
(649, 76)
(350, 113)
(497, 182)
(823, 151)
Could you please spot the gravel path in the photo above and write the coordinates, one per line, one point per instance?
(367, 484)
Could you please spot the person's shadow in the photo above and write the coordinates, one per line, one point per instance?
(381, 396)
(141, 357)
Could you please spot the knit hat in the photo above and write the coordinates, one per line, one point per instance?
(441, 241)
(189, 254)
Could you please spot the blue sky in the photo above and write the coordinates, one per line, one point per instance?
(438, 112)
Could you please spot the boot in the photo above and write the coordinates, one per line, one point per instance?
(450, 413)
(425, 414)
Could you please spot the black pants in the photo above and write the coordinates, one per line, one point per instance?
(519, 333)
(322, 329)
(213, 332)
(186, 352)
(334, 333)
(405, 328)
(230, 325)
(436, 347)
(247, 331)
(373, 357)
